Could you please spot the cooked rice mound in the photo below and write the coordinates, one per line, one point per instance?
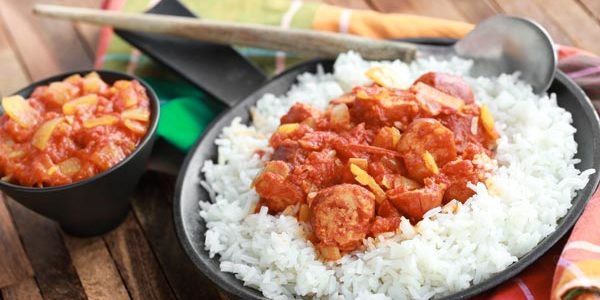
(444, 253)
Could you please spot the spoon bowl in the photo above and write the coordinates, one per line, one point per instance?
(507, 44)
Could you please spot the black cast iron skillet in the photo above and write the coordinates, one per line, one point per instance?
(191, 228)
(185, 58)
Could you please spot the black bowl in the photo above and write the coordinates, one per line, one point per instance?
(191, 228)
(97, 204)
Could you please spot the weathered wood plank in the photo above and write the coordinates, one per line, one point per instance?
(89, 35)
(26, 289)
(353, 4)
(433, 8)
(96, 269)
(153, 210)
(51, 262)
(581, 27)
(136, 262)
(531, 9)
(13, 76)
(14, 263)
(475, 11)
(46, 46)
(592, 7)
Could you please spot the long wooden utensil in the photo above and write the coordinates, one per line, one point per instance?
(323, 44)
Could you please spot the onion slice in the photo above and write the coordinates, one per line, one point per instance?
(99, 121)
(42, 135)
(19, 110)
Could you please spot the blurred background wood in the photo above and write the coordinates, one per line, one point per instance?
(142, 259)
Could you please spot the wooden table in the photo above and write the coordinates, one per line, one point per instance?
(142, 259)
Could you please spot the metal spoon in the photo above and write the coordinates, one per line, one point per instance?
(500, 44)
(505, 44)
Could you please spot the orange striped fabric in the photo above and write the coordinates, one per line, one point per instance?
(569, 271)
(373, 24)
(578, 270)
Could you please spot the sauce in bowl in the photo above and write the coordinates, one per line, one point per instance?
(71, 130)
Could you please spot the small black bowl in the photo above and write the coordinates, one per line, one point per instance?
(97, 204)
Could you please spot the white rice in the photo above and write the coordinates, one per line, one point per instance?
(444, 253)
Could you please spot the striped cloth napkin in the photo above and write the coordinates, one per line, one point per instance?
(570, 270)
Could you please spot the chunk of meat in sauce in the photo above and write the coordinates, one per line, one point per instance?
(275, 188)
(392, 181)
(357, 135)
(386, 165)
(379, 106)
(467, 129)
(316, 141)
(473, 166)
(381, 225)
(426, 135)
(387, 210)
(291, 152)
(296, 132)
(457, 175)
(452, 85)
(300, 112)
(413, 204)
(342, 215)
(320, 169)
(387, 137)
(472, 150)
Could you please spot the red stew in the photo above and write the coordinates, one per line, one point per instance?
(377, 154)
(71, 130)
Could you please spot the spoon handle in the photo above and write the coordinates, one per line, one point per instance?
(318, 43)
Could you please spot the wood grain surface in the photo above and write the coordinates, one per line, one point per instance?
(14, 261)
(96, 268)
(142, 258)
(54, 272)
(137, 264)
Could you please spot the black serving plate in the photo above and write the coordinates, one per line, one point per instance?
(188, 192)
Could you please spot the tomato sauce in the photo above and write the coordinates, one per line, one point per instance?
(376, 155)
(71, 130)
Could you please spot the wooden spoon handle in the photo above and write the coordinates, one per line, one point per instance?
(319, 43)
